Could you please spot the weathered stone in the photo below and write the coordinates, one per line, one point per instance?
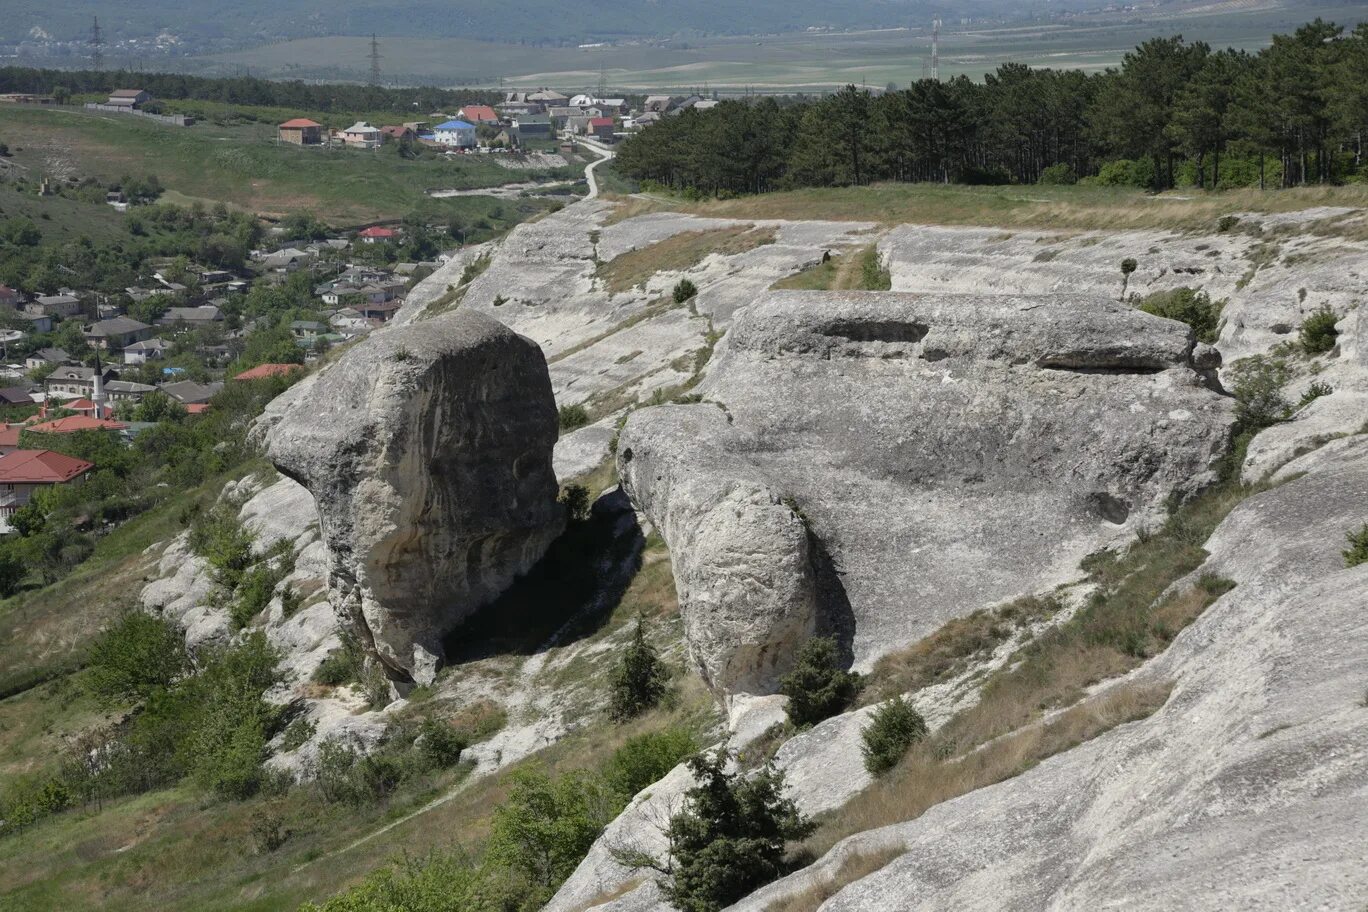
(872, 465)
(428, 451)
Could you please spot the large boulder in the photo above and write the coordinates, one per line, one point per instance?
(871, 465)
(428, 450)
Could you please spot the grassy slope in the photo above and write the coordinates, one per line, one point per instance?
(1044, 208)
(242, 165)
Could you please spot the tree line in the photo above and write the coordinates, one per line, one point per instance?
(243, 90)
(1174, 113)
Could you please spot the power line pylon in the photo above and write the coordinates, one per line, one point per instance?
(96, 43)
(374, 61)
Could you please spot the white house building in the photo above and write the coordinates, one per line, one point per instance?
(455, 133)
(363, 136)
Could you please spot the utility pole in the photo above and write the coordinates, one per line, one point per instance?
(96, 42)
(935, 49)
(374, 61)
(603, 81)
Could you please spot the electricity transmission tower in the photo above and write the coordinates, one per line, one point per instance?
(935, 50)
(96, 42)
(374, 61)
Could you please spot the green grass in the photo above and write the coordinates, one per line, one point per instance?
(244, 166)
(61, 219)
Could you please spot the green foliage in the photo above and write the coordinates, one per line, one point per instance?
(12, 569)
(1190, 306)
(683, 291)
(268, 831)
(546, 825)
(576, 500)
(344, 665)
(346, 774)
(1313, 392)
(1357, 552)
(729, 838)
(1257, 385)
(873, 275)
(644, 760)
(639, 681)
(817, 687)
(257, 585)
(436, 883)
(1058, 175)
(219, 537)
(135, 658)
(1318, 333)
(892, 729)
(440, 743)
(573, 417)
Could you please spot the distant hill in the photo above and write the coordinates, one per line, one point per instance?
(515, 20)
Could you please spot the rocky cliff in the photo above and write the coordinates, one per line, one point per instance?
(873, 464)
(428, 451)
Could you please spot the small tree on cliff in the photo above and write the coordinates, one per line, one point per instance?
(818, 687)
(639, 679)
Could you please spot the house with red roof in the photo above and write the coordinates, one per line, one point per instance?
(300, 131)
(378, 234)
(397, 133)
(9, 438)
(478, 114)
(602, 128)
(71, 424)
(22, 472)
(262, 371)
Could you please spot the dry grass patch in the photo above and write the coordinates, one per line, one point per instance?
(682, 251)
(856, 867)
(926, 777)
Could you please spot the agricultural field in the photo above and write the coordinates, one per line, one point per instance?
(793, 62)
(242, 164)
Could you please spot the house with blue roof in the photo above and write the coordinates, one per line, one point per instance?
(455, 133)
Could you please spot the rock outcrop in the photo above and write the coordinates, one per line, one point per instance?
(871, 465)
(428, 450)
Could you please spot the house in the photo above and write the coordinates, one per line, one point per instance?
(142, 352)
(73, 424)
(262, 371)
(602, 128)
(533, 126)
(561, 116)
(382, 310)
(15, 395)
(307, 330)
(128, 98)
(22, 472)
(706, 104)
(202, 315)
(377, 235)
(9, 438)
(548, 98)
(58, 305)
(41, 323)
(10, 297)
(27, 98)
(660, 104)
(117, 333)
(520, 108)
(349, 320)
(419, 126)
(300, 131)
(478, 114)
(76, 381)
(188, 392)
(362, 135)
(46, 356)
(398, 133)
(285, 260)
(456, 133)
(126, 391)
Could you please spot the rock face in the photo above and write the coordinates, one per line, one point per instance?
(1247, 790)
(874, 464)
(428, 450)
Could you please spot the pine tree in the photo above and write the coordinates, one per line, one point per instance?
(639, 680)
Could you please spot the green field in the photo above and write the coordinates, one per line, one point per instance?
(244, 166)
(790, 62)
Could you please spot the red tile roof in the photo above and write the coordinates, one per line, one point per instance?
(479, 113)
(40, 467)
(378, 232)
(9, 436)
(298, 124)
(73, 423)
(601, 122)
(194, 408)
(267, 370)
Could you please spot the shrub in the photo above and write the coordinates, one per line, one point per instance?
(575, 499)
(268, 831)
(217, 536)
(638, 682)
(343, 665)
(1190, 306)
(1313, 392)
(139, 655)
(344, 774)
(873, 275)
(297, 733)
(817, 687)
(684, 290)
(572, 417)
(546, 826)
(894, 728)
(1227, 223)
(728, 840)
(1357, 552)
(1060, 175)
(644, 760)
(440, 744)
(1318, 333)
(1128, 267)
(1257, 385)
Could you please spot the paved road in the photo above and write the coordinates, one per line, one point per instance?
(605, 154)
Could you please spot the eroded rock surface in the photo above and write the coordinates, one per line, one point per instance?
(428, 451)
(874, 464)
